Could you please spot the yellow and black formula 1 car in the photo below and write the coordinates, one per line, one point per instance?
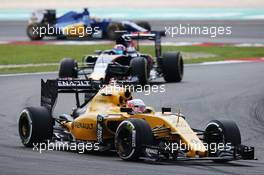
(113, 124)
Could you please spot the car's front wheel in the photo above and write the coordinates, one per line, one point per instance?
(33, 31)
(221, 135)
(131, 135)
(68, 68)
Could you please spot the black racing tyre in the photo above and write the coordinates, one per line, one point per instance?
(33, 31)
(68, 68)
(172, 66)
(145, 25)
(111, 29)
(131, 135)
(139, 69)
(35, 125)
(222, 131)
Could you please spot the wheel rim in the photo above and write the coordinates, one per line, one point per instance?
(25, 127)
(215, 134)
(124, 141)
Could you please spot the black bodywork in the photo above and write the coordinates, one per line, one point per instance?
(121, 66)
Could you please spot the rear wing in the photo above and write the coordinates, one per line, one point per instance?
(51, 88)
(145, 35)
(153, 36)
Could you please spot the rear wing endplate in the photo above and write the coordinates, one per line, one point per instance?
(51, 88)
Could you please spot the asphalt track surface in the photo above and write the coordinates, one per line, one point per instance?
(243, 31)
(229, 91)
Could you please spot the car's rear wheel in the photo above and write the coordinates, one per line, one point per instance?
(33, 31)
(223, 132)
(68, 68)
(172, 66)
(131, 135)
(145, 25)
(111, 30)
(35, 125)
(139, 69)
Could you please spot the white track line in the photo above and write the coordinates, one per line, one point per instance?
(225, 62)
(25, 74)
(168, 43)
(27, 65)
(186, 65)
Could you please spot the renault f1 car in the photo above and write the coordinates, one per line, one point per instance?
(134, 134)
(125, 62)
(78, 25)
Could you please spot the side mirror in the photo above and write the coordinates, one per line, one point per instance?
(163, 110)
(127, 110)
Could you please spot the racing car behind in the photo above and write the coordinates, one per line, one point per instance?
(78, 25)
(126, 62)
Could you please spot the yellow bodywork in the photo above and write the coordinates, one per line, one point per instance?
(109, 100)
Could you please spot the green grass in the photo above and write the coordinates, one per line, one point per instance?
(28, 69)
(33, 54)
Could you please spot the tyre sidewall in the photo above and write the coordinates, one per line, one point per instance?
(41, 125)
(138, 126)
(172, 66)
(68, 68)
(139, 69)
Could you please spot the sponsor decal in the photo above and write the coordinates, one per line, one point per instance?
(99, 133)
(133, 138)
(151, 151)
(69, 83)
(82, 125)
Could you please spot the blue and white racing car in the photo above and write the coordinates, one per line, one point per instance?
(43, 23)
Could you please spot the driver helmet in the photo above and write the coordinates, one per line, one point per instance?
(120, 49)
(137, 105)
